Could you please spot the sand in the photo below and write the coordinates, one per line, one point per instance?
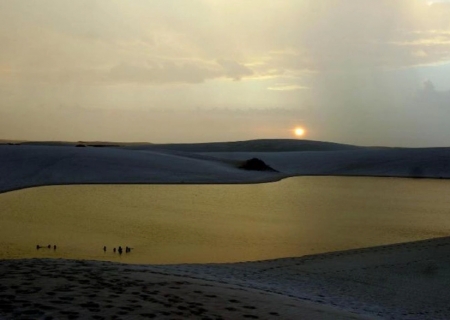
(27, 166)
(70, 289)
(403, 281)
(406, 281)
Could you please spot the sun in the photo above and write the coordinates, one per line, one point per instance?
(299, 132)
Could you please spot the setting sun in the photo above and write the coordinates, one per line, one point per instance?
(299, 131)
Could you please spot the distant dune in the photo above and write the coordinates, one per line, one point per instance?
(263, 145)
(35, 164)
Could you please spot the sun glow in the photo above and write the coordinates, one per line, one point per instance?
(299, 132)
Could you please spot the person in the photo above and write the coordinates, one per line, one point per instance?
(54, 247)
(114, 250)
(49, 246)
(104, 248)
(38, 247)
(120, 250)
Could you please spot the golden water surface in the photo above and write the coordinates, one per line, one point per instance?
(221, 223)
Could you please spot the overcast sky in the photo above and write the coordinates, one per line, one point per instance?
(366, 72)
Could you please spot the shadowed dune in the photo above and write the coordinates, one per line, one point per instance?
(262, 145)
(403, 281)
(34, 165)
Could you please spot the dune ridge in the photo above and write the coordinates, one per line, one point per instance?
(23, 166)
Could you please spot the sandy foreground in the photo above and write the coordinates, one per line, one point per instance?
(60, 289)
(403, 281)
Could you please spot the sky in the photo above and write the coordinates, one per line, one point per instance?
(365, 72)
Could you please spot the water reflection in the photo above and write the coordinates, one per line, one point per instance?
(221, 223)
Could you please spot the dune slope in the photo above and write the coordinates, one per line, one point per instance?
(24, 166)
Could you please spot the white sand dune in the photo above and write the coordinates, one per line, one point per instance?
(70, 289)
(403, 281)
(24, 166)
(406, 281)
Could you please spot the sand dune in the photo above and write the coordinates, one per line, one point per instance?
(262, 145)
(406, 281)
(68, 289)
(24, 166)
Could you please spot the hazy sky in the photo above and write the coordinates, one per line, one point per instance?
(367, 72)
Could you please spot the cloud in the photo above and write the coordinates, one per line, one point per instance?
(161, 72)
(292, 38)
(359, 35)
(287, 87)
(358, 59)
(233, 69)
(165, 72)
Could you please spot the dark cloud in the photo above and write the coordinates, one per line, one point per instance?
(233, 69)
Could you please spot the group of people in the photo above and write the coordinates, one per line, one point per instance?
(48, 247)
(119, 249)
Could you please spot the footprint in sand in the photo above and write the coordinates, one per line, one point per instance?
(182, 308)
(122, 313)
(127, 308)
(71, 314)
(198, 311)
(231, 309)
(67, 298)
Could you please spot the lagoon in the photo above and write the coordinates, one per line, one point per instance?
(221, 223)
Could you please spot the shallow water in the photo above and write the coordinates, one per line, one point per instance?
(221, 223)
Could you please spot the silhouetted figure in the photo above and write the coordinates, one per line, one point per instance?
(38, 247)
(49, 246)
(104, 249)
(54, 247)
(120, 250)
(114, 250)
(127, 249)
